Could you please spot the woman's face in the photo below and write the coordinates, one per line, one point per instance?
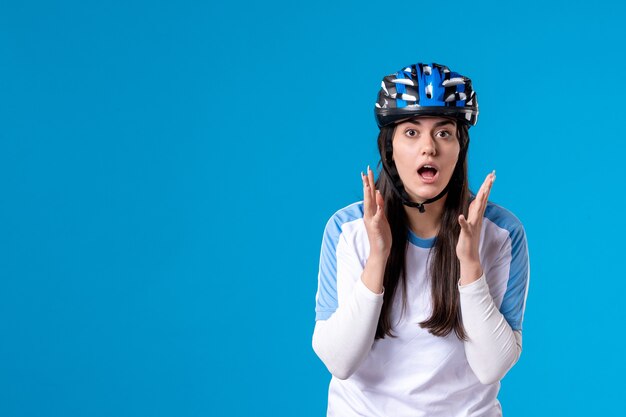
(430, 141)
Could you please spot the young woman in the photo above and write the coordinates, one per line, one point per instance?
(422, 285)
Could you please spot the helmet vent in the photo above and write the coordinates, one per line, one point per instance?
(404, 81)
(384, 87)
(453, 81)
(456, 96)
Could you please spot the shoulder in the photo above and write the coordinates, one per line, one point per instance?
(503, 226)
(503, 218)
(347, 224)
(345, 216)
(345, 236)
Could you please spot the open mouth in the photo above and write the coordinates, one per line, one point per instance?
(427, 173)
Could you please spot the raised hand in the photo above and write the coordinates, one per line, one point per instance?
(376, 224)
(469, 237)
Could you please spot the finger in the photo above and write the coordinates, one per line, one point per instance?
(380, 204)
(473, 210)
(370, 175)
(479, 201)
(493, 179)
(489, 183)
(486, 187)
(479, 204)
(379, 199)
(478, 198)
(367, 196)
(463, 222)
(484, 198)
(483, 188)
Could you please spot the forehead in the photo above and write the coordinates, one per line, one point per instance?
(428, 121)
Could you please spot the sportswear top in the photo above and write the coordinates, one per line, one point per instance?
(417, 373)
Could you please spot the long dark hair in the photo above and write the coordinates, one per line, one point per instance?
(445, 266)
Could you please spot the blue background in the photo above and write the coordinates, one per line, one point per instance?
(167, 169)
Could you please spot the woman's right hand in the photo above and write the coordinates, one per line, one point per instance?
(376, 224)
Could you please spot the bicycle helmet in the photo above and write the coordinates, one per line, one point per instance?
(425, 90)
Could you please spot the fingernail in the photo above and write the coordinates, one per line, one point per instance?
(368, 169)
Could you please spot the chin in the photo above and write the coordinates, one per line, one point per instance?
(424, 193)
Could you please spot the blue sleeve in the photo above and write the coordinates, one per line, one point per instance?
(334, 258)
(514, 301)
(326, 297)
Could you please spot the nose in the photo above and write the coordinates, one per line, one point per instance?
(428, 147)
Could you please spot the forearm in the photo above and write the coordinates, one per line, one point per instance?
(373, 273)
(343, 340)
(492, 347)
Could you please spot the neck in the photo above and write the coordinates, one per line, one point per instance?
(426, 225)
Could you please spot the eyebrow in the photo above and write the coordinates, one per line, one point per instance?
(441, 123)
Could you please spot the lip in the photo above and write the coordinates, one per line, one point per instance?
(432, 164)
(428, 180)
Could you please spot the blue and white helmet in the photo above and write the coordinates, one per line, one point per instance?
(426, 90)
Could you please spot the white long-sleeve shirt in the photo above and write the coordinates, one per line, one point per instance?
(418, 373)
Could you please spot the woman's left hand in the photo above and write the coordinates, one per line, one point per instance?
(469, 238)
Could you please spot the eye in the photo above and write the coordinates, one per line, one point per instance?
(444, 134)
(411, 133)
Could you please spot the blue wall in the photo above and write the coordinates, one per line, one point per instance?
(167, 169)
